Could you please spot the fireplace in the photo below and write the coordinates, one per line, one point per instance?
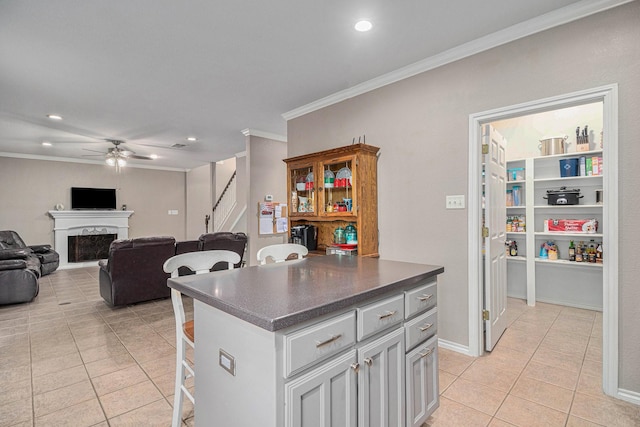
(86, 225)
(89, 247)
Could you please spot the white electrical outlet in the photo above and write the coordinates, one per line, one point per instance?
(173, 212)
(455, 202)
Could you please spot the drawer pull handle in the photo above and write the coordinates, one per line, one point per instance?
(387, 314)
(355, 367)
(426, 353)
(329, 341)
(425, 297)
(425, 327)
(368, 361)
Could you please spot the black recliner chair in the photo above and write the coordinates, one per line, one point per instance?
(21, 266)
(48, 259)
(224, 240)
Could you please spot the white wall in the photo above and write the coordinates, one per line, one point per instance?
(199, 194)
(30, 188)
(421, 125)
(267, 174)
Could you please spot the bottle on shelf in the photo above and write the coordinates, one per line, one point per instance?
(572, 251)
(579, 252)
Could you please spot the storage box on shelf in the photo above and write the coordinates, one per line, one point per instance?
(335, 188)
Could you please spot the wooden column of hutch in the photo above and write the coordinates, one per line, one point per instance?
(362, 189)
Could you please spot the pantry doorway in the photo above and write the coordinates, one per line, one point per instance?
(608, 96)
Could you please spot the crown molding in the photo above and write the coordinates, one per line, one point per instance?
(262, 134)
(538, 24)
(85, 161)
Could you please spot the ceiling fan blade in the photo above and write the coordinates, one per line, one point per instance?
(135, 156)
(93, 155)
(94, 151)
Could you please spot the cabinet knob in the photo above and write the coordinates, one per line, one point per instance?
(355, 367)
(368, 361)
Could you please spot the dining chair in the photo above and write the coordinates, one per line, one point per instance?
(281, 252)
(199, 262)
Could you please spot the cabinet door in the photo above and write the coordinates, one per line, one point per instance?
(336, 184)
(324, 397)
(422, 382)
(381, 385)
(302, 184)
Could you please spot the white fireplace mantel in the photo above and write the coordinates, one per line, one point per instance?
(74, 223)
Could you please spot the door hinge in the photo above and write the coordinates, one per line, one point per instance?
(485, 231)
(485, 314)
(485, 148)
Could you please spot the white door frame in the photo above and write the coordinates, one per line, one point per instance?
(608, 95)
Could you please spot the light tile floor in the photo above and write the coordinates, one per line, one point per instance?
(67, 359)
(546, 370)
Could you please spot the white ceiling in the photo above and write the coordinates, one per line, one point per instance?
(153, 72)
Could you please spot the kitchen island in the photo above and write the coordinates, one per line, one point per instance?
(329, 340)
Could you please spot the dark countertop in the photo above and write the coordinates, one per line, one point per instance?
(276, 296)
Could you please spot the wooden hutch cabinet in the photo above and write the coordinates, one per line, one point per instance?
(335, 188)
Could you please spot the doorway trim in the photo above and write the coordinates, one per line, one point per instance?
(608, 95)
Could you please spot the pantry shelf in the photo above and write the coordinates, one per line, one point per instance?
(568, 178)
(564, 262)
(563, 234)
(567, 206)
(516, 258)
(522, 233)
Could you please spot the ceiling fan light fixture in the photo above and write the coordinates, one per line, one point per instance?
(54, 116)
(111, 161)
(121, 161)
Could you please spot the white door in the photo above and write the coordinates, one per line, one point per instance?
(495, 260)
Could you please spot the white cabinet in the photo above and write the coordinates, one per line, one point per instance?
(325, 396)
(560, 281)
(397, 385)
(422, 382)
(381, 382)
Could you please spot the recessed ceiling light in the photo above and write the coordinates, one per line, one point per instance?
(192, 138)
(46, 143)
(363, 25)
(54, 116)
(154, 156)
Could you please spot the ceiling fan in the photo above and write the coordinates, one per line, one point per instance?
(118, 154)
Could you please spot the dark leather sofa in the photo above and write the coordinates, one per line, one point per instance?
(21, 266)
(133, 272)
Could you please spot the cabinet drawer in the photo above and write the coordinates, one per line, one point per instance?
(381, 315)
(317, 342)
(421, 328)
(420, 299)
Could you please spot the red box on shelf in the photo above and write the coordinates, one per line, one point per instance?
(587, 226)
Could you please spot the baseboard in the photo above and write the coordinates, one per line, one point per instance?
(569, 304)
(458, 348)
(629, 396)
(73, 265)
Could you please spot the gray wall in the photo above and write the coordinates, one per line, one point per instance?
(266, 174)
(199, 193)
(31, 188)
(421, 125)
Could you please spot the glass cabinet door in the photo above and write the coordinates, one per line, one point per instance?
(337, 186)
(302, 190)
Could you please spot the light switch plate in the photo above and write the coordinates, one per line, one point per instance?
(268, 198)
(455, 202)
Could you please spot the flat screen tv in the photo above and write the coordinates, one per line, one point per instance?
(93, 198)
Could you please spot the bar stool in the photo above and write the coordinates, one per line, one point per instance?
(200, 262)
(280, 253)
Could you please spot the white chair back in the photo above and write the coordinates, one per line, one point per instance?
(280, 253)
(201, 262)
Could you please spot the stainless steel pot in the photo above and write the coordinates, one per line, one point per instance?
(556, 145)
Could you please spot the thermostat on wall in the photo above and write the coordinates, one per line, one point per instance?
(268, 198)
